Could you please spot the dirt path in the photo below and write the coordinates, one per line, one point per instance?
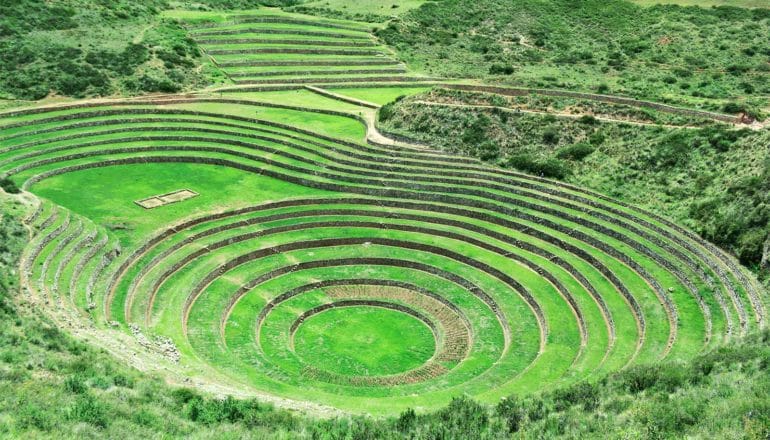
(557, 114)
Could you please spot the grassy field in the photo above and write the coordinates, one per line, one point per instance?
(708, 3)
(364, 341)
(387, 8)
(380, 7)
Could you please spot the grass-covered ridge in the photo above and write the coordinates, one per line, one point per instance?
(269, 47)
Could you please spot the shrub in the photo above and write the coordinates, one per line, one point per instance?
(588, 120)
(597, 138)
(511, 411)
(487, 151)
(406, 421)
(673, 150)
(638, 378)
(388, 110)
(584, 393)
(463, 418)
(476, 133)
(750, 245)
(501, 69)
(575, 152)
(75, 384)
(9, 186)
(89, 410)
(550, 136)
(732, 107)
(547, 168)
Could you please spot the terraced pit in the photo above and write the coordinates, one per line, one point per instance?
(278, 48)
(353, 275)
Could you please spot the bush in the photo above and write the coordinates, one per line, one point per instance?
(751, 245)
(476, 133)
(550, 136)
(511, 411)
(638, 378)
(75, 384)
(588, 120)
(487, 151)
(575, 152)
(501, 69)
(89, 410)
(733, 108)
(9, 186)
(553, 168)
(584, 393)
(386, 112)
(463, 418)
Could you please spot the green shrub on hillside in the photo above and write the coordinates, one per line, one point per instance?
(553, 168)
(577, 151)
(9, 186)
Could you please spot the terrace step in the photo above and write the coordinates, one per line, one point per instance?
(554, 282)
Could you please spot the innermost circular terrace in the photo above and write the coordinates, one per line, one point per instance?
(364, 340)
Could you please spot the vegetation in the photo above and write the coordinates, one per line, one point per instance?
(707, 3)
(669, 170)
(373, 11)
(355, 245)
(250, 50)
(78, 48)
(97, 397)
(664, 53)
(320, 279)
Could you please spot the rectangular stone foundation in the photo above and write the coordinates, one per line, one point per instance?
(165, 199)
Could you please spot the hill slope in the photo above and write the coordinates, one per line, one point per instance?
(665, 53)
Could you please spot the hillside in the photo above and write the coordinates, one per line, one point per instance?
(331, 219)
(665, 53)
(617, 150)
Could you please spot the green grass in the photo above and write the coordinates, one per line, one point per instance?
(381, 95)
(113, 206)
(377, 7)
(573, 314)
(317, 30)
(364, 341)
(708, 3)
(89, 387)
(301, 98)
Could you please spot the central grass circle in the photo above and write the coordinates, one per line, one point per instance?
(364, 341)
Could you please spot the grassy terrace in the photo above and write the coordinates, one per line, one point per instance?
(274, 47)
(307, 249)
